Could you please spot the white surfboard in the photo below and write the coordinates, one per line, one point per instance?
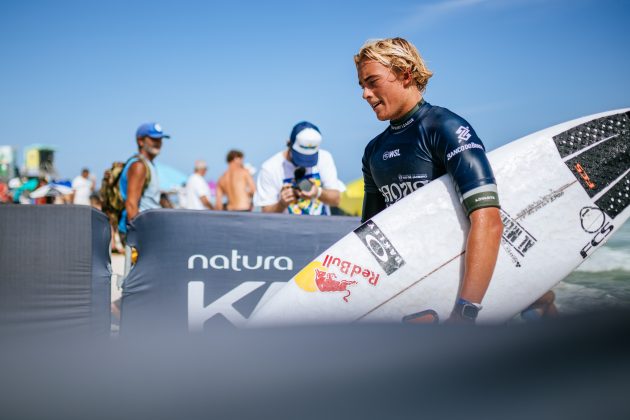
(563, 192)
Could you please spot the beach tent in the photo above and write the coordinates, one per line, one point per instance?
(352, 198)
(170, 178)
(51, 190)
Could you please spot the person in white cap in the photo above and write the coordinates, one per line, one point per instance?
(197, 189)
(301, 179)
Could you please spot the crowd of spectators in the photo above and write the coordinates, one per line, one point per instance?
(301, 179)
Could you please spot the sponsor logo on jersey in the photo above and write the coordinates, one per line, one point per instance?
(398, 190)
(486, 198)
(462, 148)
(411, 177)
(403, 125)
(463, 133)
(380, 247)
(391, 154)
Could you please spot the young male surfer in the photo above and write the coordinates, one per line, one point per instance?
(422, 143)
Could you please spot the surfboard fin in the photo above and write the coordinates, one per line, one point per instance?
(428, 316)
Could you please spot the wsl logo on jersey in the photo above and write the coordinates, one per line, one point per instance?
(391, 154)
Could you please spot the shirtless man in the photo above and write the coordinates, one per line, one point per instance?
(237, 184)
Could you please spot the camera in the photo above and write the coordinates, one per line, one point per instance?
(300, 183)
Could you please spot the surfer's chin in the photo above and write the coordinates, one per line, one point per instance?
(381, 115)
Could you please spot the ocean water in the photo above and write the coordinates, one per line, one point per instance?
(602, 281)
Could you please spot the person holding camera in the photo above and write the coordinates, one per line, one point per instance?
(301, 179)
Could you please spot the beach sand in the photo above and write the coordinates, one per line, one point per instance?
(118, 268)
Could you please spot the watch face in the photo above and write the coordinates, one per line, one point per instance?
(470, 311)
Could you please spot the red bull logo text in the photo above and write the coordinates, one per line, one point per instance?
(344, 267)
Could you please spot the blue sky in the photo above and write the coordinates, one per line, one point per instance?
(83, 75)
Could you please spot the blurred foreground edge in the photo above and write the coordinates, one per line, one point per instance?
(575, 367)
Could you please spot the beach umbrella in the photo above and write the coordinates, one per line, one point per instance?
(170, 178)
(51, 190)
(15, 183)
(352, 198)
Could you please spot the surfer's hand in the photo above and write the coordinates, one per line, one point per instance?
(287, 195)
(457, 319)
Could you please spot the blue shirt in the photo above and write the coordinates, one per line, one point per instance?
(150, 198)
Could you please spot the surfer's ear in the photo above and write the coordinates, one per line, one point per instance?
(407, 78)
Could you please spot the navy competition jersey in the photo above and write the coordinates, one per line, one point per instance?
(427, 143)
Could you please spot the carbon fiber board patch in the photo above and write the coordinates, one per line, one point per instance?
(584, 135)
(617, 198)
(601, 165)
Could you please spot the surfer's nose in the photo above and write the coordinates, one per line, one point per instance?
(367, 93)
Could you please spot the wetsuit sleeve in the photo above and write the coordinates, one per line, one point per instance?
(461, 152)
(373, 200)
(373, 203)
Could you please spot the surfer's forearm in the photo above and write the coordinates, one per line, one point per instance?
(482, 249)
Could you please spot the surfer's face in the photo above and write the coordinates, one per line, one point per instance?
(387, 93)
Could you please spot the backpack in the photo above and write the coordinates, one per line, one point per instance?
(112, 202)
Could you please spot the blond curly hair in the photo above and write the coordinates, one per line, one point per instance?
(398, 54)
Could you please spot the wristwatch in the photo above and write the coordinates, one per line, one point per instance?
(467, 310)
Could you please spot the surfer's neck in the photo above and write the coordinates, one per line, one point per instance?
(402, 120)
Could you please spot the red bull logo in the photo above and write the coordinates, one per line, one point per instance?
(316, 276)
(327, 282)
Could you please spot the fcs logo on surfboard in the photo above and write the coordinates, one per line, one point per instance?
(593, 220)
(380, 247)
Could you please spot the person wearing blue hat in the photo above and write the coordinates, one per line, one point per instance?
(301, 179)
(139, 181)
